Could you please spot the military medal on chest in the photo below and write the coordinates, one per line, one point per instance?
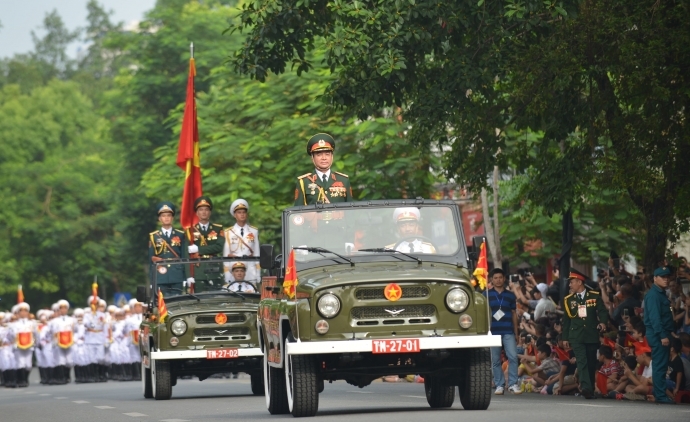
(313, 187)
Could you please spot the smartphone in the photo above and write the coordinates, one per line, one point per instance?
(514, 278)
(625, 313)
(622, 328)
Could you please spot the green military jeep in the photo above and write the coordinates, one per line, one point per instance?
(208, 331)
(383, 289)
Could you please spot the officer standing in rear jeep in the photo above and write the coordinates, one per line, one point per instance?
(323, 185)
(206, 240)
(168, 243)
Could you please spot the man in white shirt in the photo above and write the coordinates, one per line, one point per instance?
(241, 240)
(240, 285)
(409, 232)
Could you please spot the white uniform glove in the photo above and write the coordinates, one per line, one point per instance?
(192, 249)
(189, 282)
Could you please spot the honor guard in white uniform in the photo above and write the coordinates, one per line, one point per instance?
(408, 230)
(109, 339)
(239, 284)
(242, 239)
(79, 356)
(23, 335)
(42, 323)
(5, 351)
(133, 324)
(62, 329)
(95, 338)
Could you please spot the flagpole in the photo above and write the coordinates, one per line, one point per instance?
(191, 49)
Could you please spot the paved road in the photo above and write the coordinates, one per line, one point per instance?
(216, 399)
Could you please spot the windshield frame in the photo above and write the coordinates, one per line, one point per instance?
(459, 258)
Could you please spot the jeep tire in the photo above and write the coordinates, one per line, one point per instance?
(160, 379)
(439, 393)
(475, 388)
(302, 385)
(257, 381)
(274, 388)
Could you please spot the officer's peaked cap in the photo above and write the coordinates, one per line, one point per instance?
(165, 206)
(203, 201)
(320, 142)
(238, 204)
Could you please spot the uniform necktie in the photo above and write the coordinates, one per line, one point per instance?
(323, 178)
(411, 246)
(241, 231)
(239, 287)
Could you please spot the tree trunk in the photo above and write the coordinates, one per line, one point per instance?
(656, 240)
(497, 233)
(489, 229)
(564, 260)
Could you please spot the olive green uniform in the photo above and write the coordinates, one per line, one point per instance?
(168, 247)
(210, 243)
(583, 335)
(311, 189)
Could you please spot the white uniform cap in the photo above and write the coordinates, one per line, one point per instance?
(111, 308)
(78, 312)
(90, 299)
(8, 316)
(2, 316)
(101, 302)
(406, 214)
(23, 305)
(543, 289)
(133, 302)
(125, 308)
(63, 302)
(54, 307)
(238, 204)
(14, 309)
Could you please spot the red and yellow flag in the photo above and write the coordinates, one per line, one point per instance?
(94, 299)
(20, 294)
(188, 154)
(290, 282)
(162, 309)
(482, 270)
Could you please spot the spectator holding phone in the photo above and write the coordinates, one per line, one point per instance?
(504, 323)
(585, 316)
(658, 319)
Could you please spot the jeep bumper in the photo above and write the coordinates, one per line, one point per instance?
(366, 345)
(201, 354)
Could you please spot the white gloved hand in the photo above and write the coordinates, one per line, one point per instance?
(190, 281)
(210, 282)
(192, 249)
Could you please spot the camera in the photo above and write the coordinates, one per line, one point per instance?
(514, 278)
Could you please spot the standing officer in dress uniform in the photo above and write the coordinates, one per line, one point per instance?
(168, 243)
(62, 329)
(585, 317)
(95, 339)
(206, 240)
(658, 320)
(23, 334)
(241, 239)
(323, 185)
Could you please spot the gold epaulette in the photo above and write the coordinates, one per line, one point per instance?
(217, 225)
(152, 233)
(179, 231)
(252, 227)
(568, 296)
(342, 174)
(304, 175)
(595, 292)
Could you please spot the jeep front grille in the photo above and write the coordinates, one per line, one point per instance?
(398, 311)
(211, 319)
(221, 333)
(376, 293)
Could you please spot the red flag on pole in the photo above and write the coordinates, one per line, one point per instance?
(20, 294)
(290, 282)
(162, 309)
(188, 154)
(482, 270)
(94, 298)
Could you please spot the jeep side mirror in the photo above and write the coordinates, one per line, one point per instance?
(266, 259)
(141, 294)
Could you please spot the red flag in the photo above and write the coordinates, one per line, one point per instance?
(188, 154)
(562, 354)
(608, 342)
(162, 309)
(642, 347)
(20, 294)
(290, 282)
(601, 383)
(482, 270)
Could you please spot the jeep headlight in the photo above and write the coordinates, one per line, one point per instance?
(178, 327)
(328, 305)
(457, 300)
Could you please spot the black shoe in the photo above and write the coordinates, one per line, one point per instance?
(11, 378)
(22, 378)
(102, 373)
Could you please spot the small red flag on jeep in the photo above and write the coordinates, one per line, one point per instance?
(290, 282)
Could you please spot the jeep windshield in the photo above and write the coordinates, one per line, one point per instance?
(210, 279)
(374, 232)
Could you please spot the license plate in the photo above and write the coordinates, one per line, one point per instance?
(222, 354)
(403, 345)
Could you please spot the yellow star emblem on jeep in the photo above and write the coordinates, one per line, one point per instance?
(392, 292)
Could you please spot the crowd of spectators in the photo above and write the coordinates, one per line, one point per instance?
(625, 363)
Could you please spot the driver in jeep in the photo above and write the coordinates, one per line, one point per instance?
(409, 232)
(239, 271)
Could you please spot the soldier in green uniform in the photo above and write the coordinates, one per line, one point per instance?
(323, 185)
(168, 243)
(585, 317)
(206, 240)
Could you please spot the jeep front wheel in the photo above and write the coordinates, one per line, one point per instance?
(438, 393)
(274, 389)
(475, 388)
(302, 385)
(160, 380)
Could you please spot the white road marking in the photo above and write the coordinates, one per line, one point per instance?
(174, 420)
(60, 398)
(80, 401)
(104, 407)
(588, 405)
(29, 392)
(415, 397)
(45, 394)
(135, 414)
(361, 392)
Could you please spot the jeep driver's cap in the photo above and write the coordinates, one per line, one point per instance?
(406, 214)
